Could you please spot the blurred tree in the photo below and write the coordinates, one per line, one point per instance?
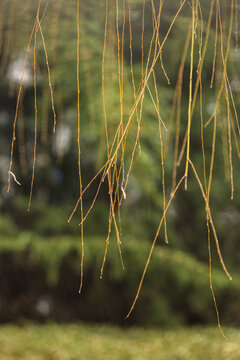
(161, 71)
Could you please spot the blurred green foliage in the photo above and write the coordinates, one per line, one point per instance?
(176, 289)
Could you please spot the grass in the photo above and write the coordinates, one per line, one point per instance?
(60, 342)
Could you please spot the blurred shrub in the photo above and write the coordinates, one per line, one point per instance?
(7, 226)
(39, 279)
(46, 219)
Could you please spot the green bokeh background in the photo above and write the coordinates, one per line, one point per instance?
(39, 250)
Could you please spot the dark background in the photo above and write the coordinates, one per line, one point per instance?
(40, 252)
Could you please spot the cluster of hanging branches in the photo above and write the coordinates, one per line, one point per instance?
(116, 170)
